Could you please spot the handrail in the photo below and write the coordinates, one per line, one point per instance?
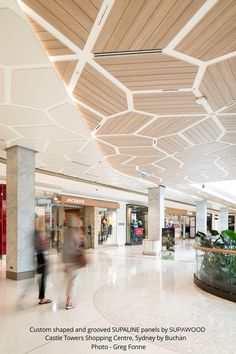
(216, 250)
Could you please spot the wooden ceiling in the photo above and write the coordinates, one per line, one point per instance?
(65, 69)
(148, 72)
(168, 103)
(214, 35)
(50, 43)
(154, 80)
(219, 83)
(72, 18)
(98, 92)
(135, 25)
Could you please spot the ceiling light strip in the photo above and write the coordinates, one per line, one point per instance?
(127, 53)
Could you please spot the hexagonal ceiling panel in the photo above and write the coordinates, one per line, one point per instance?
(36, 93)
(214, 35)
(150, 72)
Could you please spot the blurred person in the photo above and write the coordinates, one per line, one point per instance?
(73, 256)
(41, 247)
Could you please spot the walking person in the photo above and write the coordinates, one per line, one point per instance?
(73, 256)
(42, 246)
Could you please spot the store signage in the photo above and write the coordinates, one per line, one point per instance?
(75, 201)
(66, 199)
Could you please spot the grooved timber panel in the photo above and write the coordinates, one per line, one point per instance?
(231, 109)
(101, 94)
(126, 123)
(65, 69)
(74, 19)
(219, 83)
(144, 24)
(127, 140)
(106, 149)
(172, 144)
(150, 72)
(229, 122)
(168, 125)
(168, 103)
(153, 170)
(203, 132)
(51, 44)
(214, 35)
(167, 163)
(118, 159)
(142, 151)
(229, 138)
(143, 160)
(91, 119)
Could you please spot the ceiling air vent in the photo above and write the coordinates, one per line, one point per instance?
(127, 53)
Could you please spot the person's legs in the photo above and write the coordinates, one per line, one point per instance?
(72, 273)
(42, 287)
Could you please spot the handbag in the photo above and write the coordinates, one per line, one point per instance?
(81, 259)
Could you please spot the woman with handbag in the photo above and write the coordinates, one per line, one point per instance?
(73, 254)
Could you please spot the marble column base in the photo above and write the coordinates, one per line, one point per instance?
(151, 247)
(21, 275)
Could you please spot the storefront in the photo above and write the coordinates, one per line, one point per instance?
(99, 219)
(137, 224)
(182, 221)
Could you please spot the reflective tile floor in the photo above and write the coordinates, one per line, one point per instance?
(119, 288)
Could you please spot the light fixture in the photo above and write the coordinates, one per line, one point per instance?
(201, 100)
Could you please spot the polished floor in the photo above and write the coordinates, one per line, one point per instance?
(119, 288)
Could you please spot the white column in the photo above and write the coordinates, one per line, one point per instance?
(234, 222)
(20, 212)
(224, 219)
(201, 216)
(156, 213)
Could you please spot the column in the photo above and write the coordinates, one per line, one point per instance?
(20, 212)
(234, 222)
(156, 214)
(224, 219)
(201, 216)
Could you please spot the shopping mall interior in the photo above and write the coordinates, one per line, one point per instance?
(121, 114)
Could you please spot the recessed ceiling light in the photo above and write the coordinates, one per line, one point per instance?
(201, 100)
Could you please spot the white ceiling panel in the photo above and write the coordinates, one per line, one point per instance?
(2, 85)
(65, 147)
(47, 157)
(33, 144)
(51, 132)
(19, 43)
(92, 149)
(103, 172)
(84, 158)
(37, 93)
(19, 116)
(7, 134)
(69, 117)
